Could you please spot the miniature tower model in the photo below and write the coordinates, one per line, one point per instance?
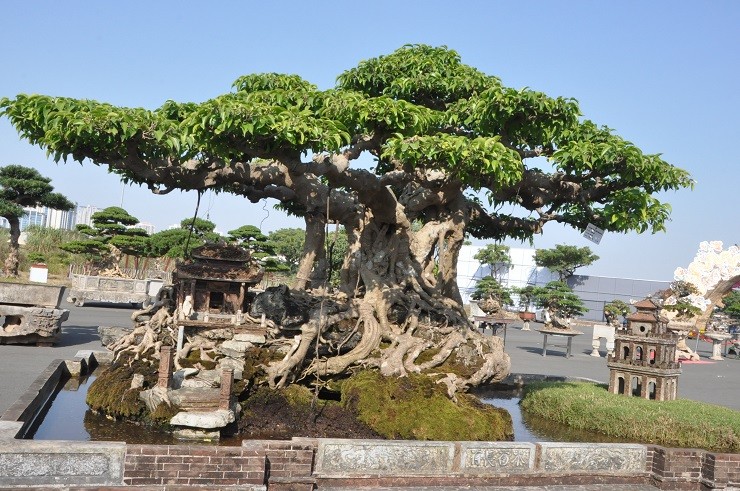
(644, 360)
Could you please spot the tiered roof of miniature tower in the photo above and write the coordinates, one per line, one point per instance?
(644, 361)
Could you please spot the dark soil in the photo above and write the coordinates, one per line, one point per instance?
(269, 415)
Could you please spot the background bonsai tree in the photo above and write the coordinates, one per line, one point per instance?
(489, 291)
(491, 295)
(111, 236)
(614, 310)
(559, 301)
(176, 243)
(564, 259)
(497, 257)
(23, 186)
(288, 245)
(680, 301)
(454, 151)
(526, 297)
(731, 303)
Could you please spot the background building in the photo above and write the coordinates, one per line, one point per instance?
(84, 214)
(594, 291)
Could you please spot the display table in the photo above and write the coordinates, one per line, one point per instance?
(496, 324)
(718, 339)
(569, 334)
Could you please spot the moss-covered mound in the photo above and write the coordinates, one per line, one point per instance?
(289, 412)
(416, 408)
(679, 423)
(111, 394)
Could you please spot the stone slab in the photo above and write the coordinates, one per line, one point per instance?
(29, 462)
(621, 458)
(345, 457)
(31, 295)
(203, 419)
(496, 457)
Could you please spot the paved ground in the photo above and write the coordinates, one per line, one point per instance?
(716, 382)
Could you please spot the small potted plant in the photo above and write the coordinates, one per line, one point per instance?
(526, 298)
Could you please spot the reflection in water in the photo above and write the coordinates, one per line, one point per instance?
(69, 418)
(529, 428)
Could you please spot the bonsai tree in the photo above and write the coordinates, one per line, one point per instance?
(680, 301)
(526, 297)
(564, 259)
(491, 295)
(489, 291)
(615, 309)
(23, 186)
(560, 302)
(111, 236)
(260, 248)
(288, 245)
(453, 150)
(497, 257)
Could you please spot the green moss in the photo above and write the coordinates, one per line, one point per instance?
(453, 365)
(299, 396)
(426, 356)
(164, 413)
(417, 408)
(111, 392)
(193, 359)
(679, 423)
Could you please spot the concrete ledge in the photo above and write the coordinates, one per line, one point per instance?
(33, 401)
(34, 463)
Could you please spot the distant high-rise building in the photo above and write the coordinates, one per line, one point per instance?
(85, 213)
(43, 216)
(60, 219)
(149, 227)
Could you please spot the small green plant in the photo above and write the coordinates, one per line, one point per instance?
(526, 296)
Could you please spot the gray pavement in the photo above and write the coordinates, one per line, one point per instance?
(715, 382)
(21, 364)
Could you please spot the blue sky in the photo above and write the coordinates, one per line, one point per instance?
(663, 74)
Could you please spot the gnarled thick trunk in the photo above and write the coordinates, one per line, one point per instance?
(13, 260)
(313, 267)
(408, 315)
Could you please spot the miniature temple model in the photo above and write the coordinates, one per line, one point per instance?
(644, 361)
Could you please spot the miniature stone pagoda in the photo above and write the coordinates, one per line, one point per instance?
(212, 287)
(644, 361)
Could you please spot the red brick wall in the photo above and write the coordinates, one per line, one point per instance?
(288, 460)
(677, 468)
(192, 465)
(288, 465)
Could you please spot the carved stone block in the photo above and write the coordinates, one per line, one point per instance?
(373, 457)
(593, 457)
(498, 457)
